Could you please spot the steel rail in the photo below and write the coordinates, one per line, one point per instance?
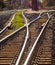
(26, 38)
(10, 21)
(7, 24)
(36, 42)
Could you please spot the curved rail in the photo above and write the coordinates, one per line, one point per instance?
(36, 42)
(26, 38)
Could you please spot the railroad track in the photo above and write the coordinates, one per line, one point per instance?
(7, 44)
(6, 29)
(5, 19)
(41, 52)
(11, 47)
(6, 55)
(34, 29)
